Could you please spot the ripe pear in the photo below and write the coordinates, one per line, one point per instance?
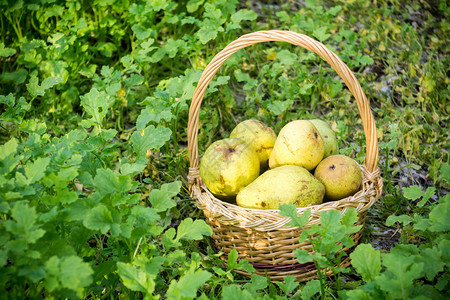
(341, 176)
(227, 166)
(282, 185)
(258, 135)
(298, 143)
(330, 142)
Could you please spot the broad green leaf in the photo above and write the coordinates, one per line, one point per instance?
(243, 15)
(35, 171)
(235, 292)
(136, 279)
(187, 285)
(288, 285)
(23, 223)
(232, 259)
(278, 107)
(404, 219)
(98, 218)
(311, 288)
(413, 192)
(5, 51)
(7, 160)
(431, 190)
(303, 256)
(401, 272)
(35, 89)
(68, 272)
(151, 114)
(287, 58)
(440, 215)
(192, 230)
(432, 263)
(107, 181)
(366, 261)
(321, 34)
(193, 5)
(256, 283)
(445, 172)
(9, 100)
(96, 104)
(150, 138)
(290, 210)
(141, 32)
(161, 199)
(356, 294)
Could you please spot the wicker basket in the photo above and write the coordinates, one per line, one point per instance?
(262, 236)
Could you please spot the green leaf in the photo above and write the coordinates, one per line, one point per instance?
(99, 219)
(235, 292)
(23, 223)
(5, 51)
(35, 89)
(401, 272)
(430, 192)
(404, 219)
(192, 230)
(243, 15)
(288, 285)
(321, 34)
(256, 283)
(440, 215)
(303, 256)
(432, 263)
(152, 114)
(136, 279)
(150, 138)
(366, 261)
(107, 181)
(193, 5)
(287, 58)
(311, 288)
(365, 60)
(141, 32)
(445, 171)
(290, 210)
(68, 272)
(278, 107)
(161, 199)
(413, 192)
(188, 284)
(35, 171)
(96, 104)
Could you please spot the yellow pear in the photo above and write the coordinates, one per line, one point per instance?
(227, 166)
(258, 135)
(330, 142)
(340, 175)
(298, 143)
(282, 185)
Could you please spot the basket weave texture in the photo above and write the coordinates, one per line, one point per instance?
(262, 236)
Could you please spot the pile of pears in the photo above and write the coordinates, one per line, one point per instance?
(258, 169)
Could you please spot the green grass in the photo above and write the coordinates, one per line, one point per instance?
(94, 99)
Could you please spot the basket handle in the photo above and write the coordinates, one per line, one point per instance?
(296, 39)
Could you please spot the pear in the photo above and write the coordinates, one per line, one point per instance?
(258, 135)
(227, 166)
(341, 176)
(298, 143)
(330, 142)
(282, 185)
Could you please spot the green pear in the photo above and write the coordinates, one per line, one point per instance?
(298, 143)
(330, 142)
(341, 176)
(282, 185)
(258, 135)
(227, 166)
